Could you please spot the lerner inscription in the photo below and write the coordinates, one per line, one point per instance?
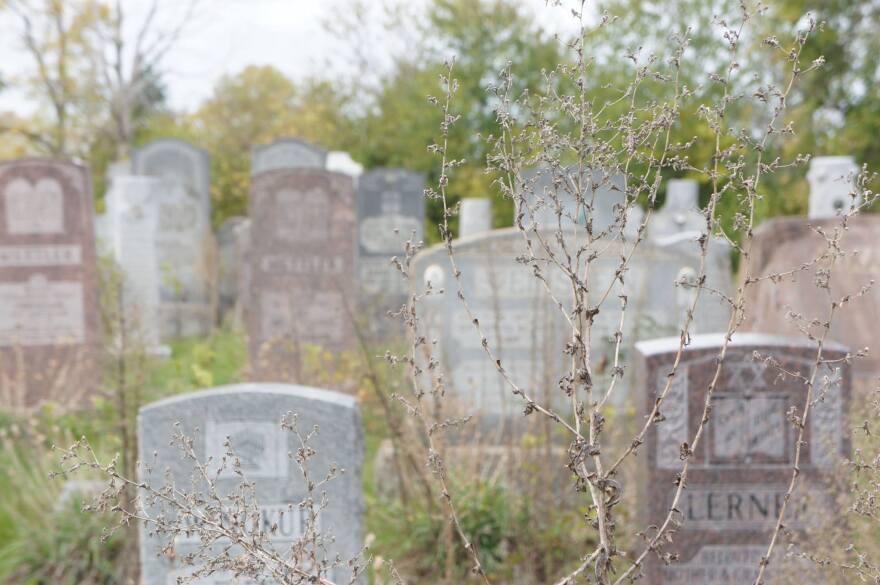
(48, 283)
(740, 471)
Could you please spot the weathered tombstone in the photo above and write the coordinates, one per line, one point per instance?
(790, 246)
(250, 417)
(303, 279)
(547, 195)
(232, 237)
(519, 319)
(741, 469)
(49, 317)
(132, 225)
(664, 282)
(503, 293)
(287, 153)
(681, 211)
(475, 216)
(391, 210)
(831, 186)
(341, 162)
(177, 162)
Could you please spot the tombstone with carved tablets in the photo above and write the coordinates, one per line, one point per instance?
(49, 315)
(741, 468)
(302, 275)
(249, 418)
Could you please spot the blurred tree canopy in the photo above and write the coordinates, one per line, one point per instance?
(389, 122)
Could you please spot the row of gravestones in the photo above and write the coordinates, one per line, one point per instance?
(737, 484)
(301, 256)
(302, 250)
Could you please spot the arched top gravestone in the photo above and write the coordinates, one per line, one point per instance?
(250, 416)
(287, 153)
(832, 183)
(178, 161)
(49, 317)
(740, 470)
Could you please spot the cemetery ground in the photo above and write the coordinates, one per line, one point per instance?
(46, 537)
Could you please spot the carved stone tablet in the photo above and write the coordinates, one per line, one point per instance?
(49, 317)
(249, 416)
(741, 468)
(303, 280)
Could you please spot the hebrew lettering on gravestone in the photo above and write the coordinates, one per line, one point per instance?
(741, 469)
(249, 417)
(49, 314)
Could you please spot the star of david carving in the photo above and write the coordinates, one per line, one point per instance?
(746, 376)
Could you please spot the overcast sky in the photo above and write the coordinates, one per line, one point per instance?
(231, 34)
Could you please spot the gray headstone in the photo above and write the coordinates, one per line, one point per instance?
(133, 219)
(303, 273)
(250, 415)
(546, 193)
(681, 211)
(287, 153)
(831, 185)
(181, 163)
(49, 316)
(504, 294)
(475, 216)
(517, 316)
(391, 210)
(741, 469)
(232, 238)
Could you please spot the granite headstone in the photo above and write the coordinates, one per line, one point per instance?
(680, 213)
(791, 246)
(303, 278)
(287, 153)
(391, 210)
(177, 162)
(49, 315)
(741, 469)
(250, 416)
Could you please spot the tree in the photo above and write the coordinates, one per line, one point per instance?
(257, 106)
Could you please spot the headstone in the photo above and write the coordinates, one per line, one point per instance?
(741, 468)
(232, 238)
(546, 194)
(341, 162)
(519, 319)
(303, 279)
(785, 245)
(664, 283)
(681, 211)
(133, 221)
(250, 416)
(831, 186)
(287, 153)
(49, 315)
(391, 210)
(177, 162)
(659, 286)
(475, 216)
